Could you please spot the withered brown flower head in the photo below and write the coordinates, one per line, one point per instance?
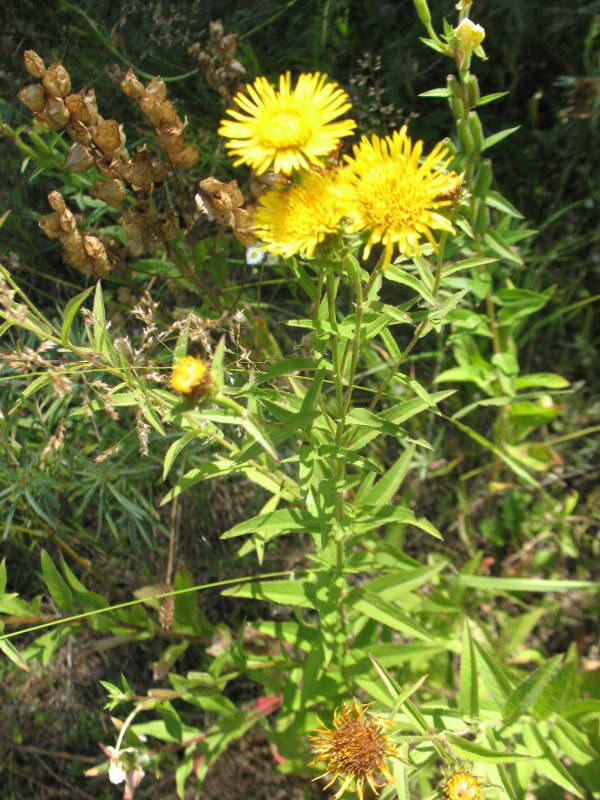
(355, 749)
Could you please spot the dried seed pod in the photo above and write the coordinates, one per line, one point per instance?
(132, 86)
(56, 80)
(89, 99)
(242, 226)
(111, 191)
(186, 157)
(80, 110)
(50, 224)
(161, 115)
(169, 224)
(56, 110)
(34, 64)
(139, 172)
(109, 136)
(78, 132)
(172, 142)
(156, 90)
(95, 251)
(46, 121)
(68, 225)
(57, 201)
(33, 96)
(79, 158)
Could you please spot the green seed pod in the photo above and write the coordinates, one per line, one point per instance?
(465, 136)
(455, 97)
(472, 90)
(481, 217)
(484, 178)
(476, 130)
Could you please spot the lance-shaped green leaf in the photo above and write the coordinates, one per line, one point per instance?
(477, 752)
(387, 486)
(546, 761)
(291, 593)
(529, 691)
(494, 676)
(468, 695)
(71, 310)
(58, 589)
(388, 613)
(498, 585)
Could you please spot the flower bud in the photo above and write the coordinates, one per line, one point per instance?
(156, 90)
(481, 217)
(469, 35)
(132, 86)
(464, 136)
(422, 10)
(34, 64)
(109, 136)
(79, 158)
(472, 90)
(455, 97)
(186, 157)
(33, 96)
(56, 80)
(111, 191)
(50, 225)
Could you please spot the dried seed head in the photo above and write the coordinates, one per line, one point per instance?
(355, 748)
(139, 172)
(169, 223)
(56, 80)
(186, 157)
(109, 136)
(50, 225)
(78, 132)
(132, 86)
(33, 96)
(46, 121)
(94, 249)
(156, 90)
(161, 115)
(56, 110)
(242, 226)
(79, 158)
(34, 64)
(111, 191)
(172, 141)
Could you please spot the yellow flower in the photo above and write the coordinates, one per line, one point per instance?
(463, 786)
(286, 130)
(295, 220)
(395, 197)
(355, 749)
(469, 35)
(190, 376)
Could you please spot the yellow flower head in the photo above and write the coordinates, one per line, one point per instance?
(354, 750)
(395, 196)
(462, 785)
(190, 376)
(286, 130)
(295, 220)
(469, 35)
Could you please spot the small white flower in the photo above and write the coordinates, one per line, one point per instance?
(469, 35)
(254, 255)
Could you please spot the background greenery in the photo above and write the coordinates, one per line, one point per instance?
(106, 516)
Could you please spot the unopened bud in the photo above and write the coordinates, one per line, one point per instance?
(156, 90)
(469, 35)
(79, 158)
(464, 136)
(481, 217)
(49, 223)
(472, 90)
(455, 97)
(186, 157)
(34, 64)
(422, 10)
(109, 136)
(111, 191)
(56, 80)
(33, 96)
(132, 86)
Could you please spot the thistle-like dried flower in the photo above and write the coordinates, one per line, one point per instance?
(34, 64)
(355, 749)
(461, 785)
(190, 376)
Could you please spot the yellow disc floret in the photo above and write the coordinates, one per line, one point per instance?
(463, 786)
(190, 376)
